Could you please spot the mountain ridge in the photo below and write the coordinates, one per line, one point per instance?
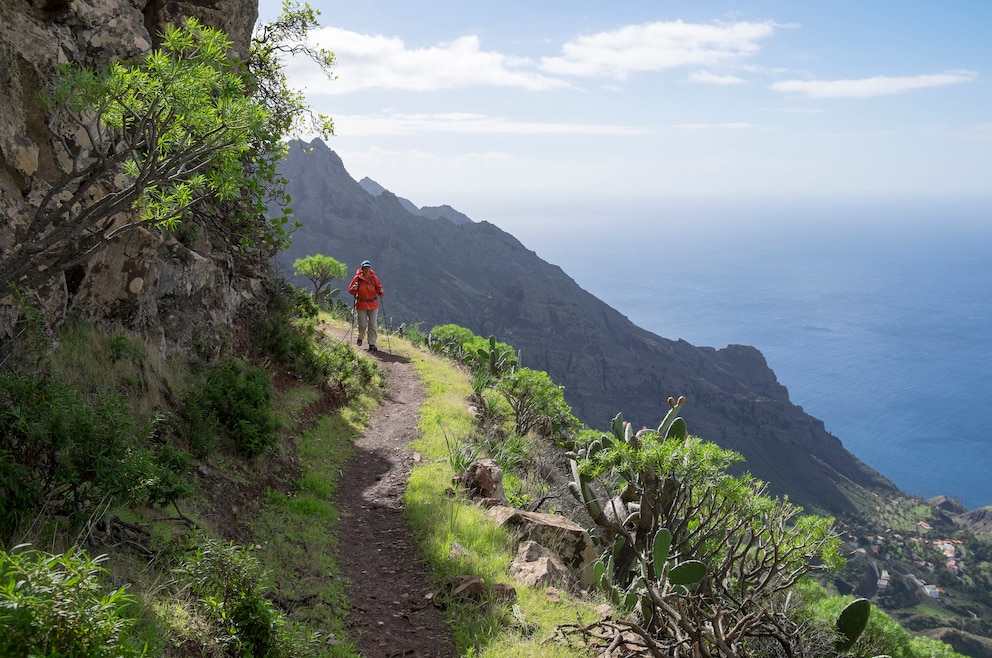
(475, 275)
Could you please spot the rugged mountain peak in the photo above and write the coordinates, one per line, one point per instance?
(431, 212)
(371, 186)
(478, 276)
(445, 212)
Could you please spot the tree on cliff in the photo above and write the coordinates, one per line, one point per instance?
(145, 143)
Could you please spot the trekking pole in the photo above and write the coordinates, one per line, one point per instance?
(354, 318)
(389, 347)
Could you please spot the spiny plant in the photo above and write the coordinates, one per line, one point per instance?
(851, 623)
(496, 358)
(701, 558)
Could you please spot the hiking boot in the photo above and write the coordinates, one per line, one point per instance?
(373, 348)
(359, 342)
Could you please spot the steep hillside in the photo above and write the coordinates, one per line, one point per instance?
(478, 276)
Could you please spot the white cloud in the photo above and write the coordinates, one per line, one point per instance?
(982, 130)
(879, 85)
(656, 47)
(705, 77)
(730, 125)
(797, 110)
(414, 124)
(381, 62)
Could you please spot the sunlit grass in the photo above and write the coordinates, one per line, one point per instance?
(440, 520)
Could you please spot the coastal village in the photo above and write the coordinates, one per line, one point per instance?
(915, 546)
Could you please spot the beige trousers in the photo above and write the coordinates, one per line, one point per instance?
(366, 323)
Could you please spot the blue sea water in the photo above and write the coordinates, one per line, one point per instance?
(882, 329)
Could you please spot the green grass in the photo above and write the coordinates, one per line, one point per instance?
(491, 630)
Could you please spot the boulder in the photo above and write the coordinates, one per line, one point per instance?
(537, 566)
(484, 479)
(565, 538)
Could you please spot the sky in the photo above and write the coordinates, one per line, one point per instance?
(511, 111)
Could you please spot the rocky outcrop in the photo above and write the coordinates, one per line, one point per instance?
(483, 480)
(978, 520)
(173, 290)
(557, 534)
(437, 271)
(536, 566)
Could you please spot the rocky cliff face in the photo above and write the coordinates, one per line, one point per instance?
(473, 274)
(145, 280)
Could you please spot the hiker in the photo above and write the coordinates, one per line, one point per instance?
(366, 288)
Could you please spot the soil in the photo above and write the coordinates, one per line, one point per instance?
(390, 589)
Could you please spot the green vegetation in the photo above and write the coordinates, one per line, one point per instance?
(223, 587)
(703, 557)
(100, 435)
(693, 559)
(239, 396)
(68, 455)
(55, 605)
(320, 270)
(493, 629)
(206, 592)
(187, 127)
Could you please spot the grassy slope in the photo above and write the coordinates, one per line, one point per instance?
(291, 528)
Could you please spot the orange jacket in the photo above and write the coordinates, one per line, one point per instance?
(366, 290)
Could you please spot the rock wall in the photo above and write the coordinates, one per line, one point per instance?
(173, 291)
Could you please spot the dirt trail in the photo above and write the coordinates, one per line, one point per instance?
(391, 613)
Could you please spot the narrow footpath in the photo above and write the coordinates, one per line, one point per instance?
(391, 610)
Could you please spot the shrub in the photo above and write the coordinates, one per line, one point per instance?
(537, 403)
(240, 396)
(450, 340)
(413, 333)
(287, 330)
(60, 452)
(485, 357)
(344, 367)
(163, 472)
(224, 585)
(883, 635)
(705, 558)
(53, 605)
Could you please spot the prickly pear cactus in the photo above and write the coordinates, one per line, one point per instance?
(496, 360)
(852, 622)
(637, 568)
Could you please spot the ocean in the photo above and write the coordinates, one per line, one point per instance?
(881, 328)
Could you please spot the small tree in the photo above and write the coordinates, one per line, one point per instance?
(161, 136)
(145, 143)
(537, 403)
(288, 111)
(320, 270)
